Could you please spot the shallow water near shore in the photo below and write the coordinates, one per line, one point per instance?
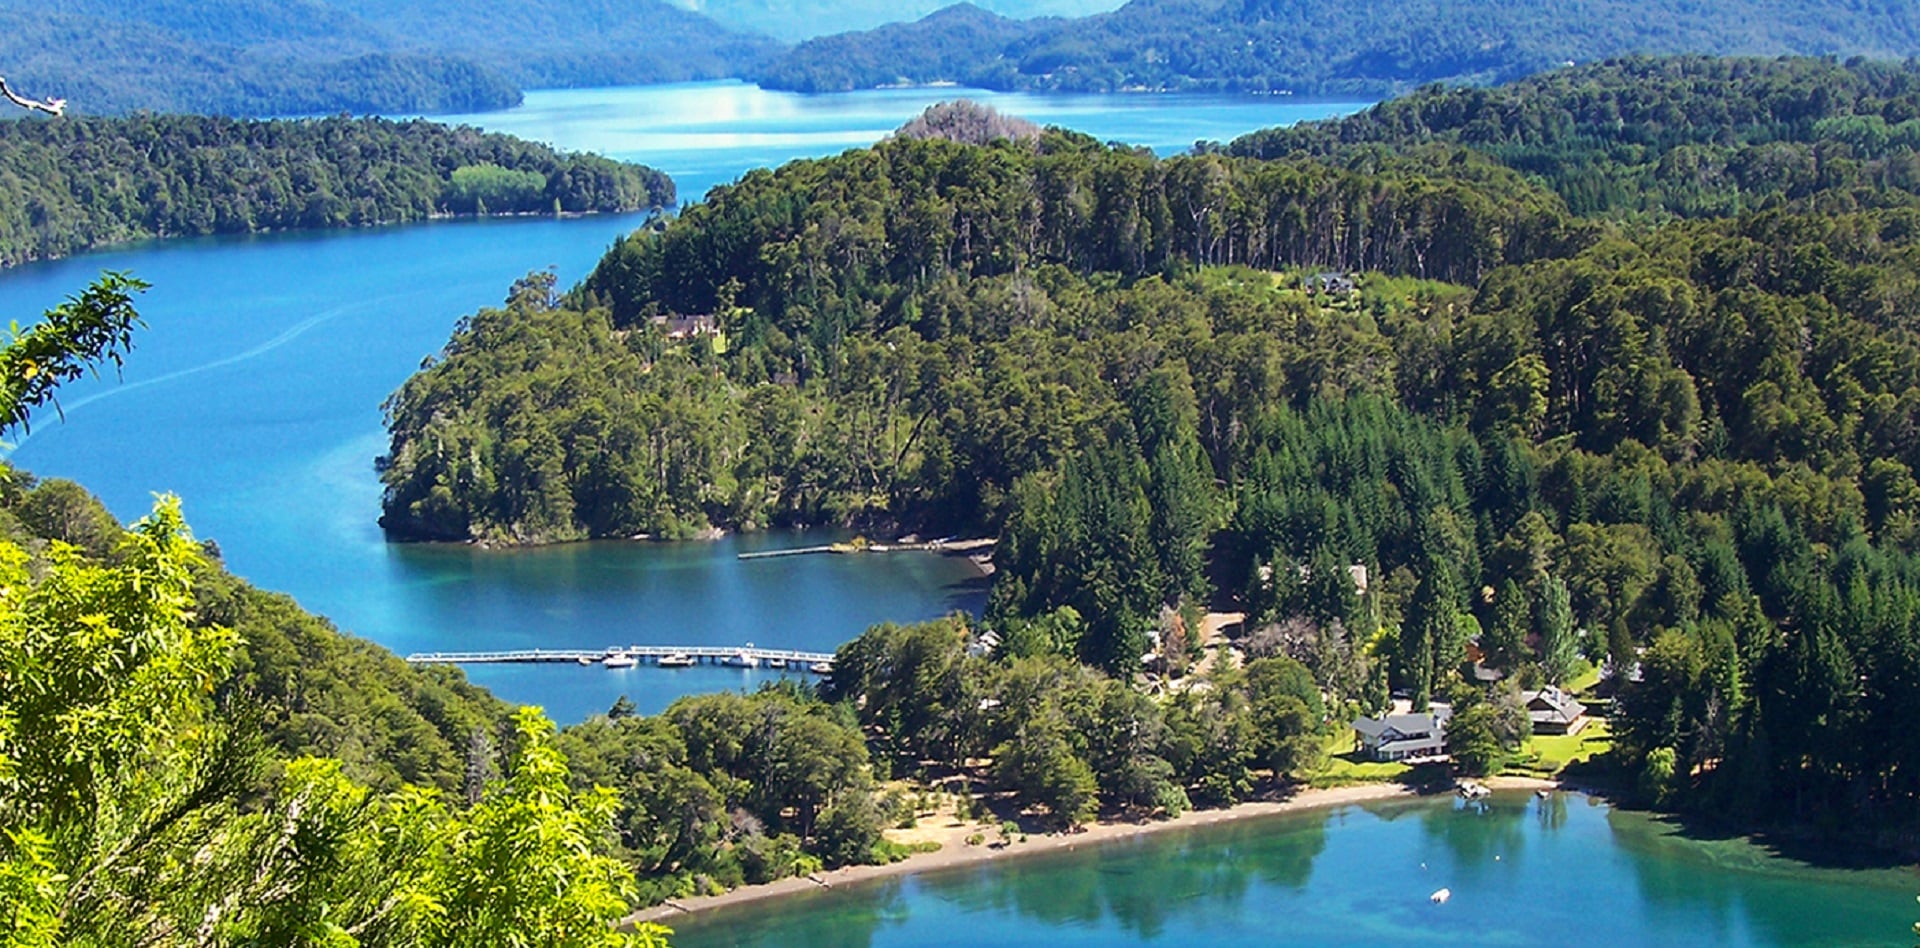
(1521, 870)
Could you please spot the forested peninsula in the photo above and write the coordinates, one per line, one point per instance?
(1670, 433)
(1323, 47)
(76, 183)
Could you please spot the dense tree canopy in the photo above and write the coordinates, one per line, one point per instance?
(1688, 136)
(70, 184)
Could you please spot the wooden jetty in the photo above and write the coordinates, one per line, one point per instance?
(860, 546)
(792, 659)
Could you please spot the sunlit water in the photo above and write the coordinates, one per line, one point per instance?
(707, 133)
(255, 394)
(1521, 871)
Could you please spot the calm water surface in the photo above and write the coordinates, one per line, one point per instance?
(707, 133)
(1565, 871)
(255, 392)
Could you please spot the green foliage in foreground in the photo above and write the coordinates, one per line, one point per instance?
(76, 183)
(139, 803)
(138, 811)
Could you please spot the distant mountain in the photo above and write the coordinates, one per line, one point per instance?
(806, 19)
(268, 57)
(1330, 46)
(544, 43)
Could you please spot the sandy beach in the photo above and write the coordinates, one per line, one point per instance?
(955, 852)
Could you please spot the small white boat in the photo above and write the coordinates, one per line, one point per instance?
(585, 660)
(619, 660)
(1440, 897)
(676, 660)
(822, 668)
(742, 660)
(776, 663)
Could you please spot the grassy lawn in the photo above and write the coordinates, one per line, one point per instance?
(1547, 756)
(1346, 767)
(1584, 681)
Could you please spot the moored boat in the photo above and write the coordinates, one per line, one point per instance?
(619, 660)
(743, 659)
(676, 660)
(822, 668)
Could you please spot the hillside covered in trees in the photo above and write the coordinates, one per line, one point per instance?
(1325, 48)
(1689, 136)
(275, 58)
(73, 183)
(1682, 447)
(795, 20)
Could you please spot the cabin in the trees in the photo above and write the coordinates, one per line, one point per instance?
(1332, 283)
(677, 327)
(1404, 736)
(1554, 711)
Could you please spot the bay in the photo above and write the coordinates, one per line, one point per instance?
(254, 393)
(1568, 870)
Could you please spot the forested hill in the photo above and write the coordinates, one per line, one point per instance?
(268, 57)
(1686, 446)
(72, 183)
(797, 20)
(1685, 135)
(1323, 47)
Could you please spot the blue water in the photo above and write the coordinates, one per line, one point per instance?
(707, 133)
(1565, 871)
(255, 391)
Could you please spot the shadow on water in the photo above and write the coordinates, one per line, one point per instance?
(1811, 849)
(968, 595)
(1730, 887)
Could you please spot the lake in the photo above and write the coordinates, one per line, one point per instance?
(707, 133)
(255, 395)
(1563, 871)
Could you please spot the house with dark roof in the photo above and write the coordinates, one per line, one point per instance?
(1554, 711)
(1404, 736)
(677, 327)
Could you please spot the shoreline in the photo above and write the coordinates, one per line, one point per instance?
(954, 856)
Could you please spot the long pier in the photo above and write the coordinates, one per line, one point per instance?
(747, 656)
(918, 546)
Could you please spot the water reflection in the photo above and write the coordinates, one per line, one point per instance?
(1569, 870)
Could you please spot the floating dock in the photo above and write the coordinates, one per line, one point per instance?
(794, 660)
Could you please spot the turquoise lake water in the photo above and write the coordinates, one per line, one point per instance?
(255, 395)
(1522, 871)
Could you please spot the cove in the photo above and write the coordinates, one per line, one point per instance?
(1522, 871)
(254, 393)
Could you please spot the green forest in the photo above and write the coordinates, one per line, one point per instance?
(1322, 47)
(72, 184)
(1670, 434)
